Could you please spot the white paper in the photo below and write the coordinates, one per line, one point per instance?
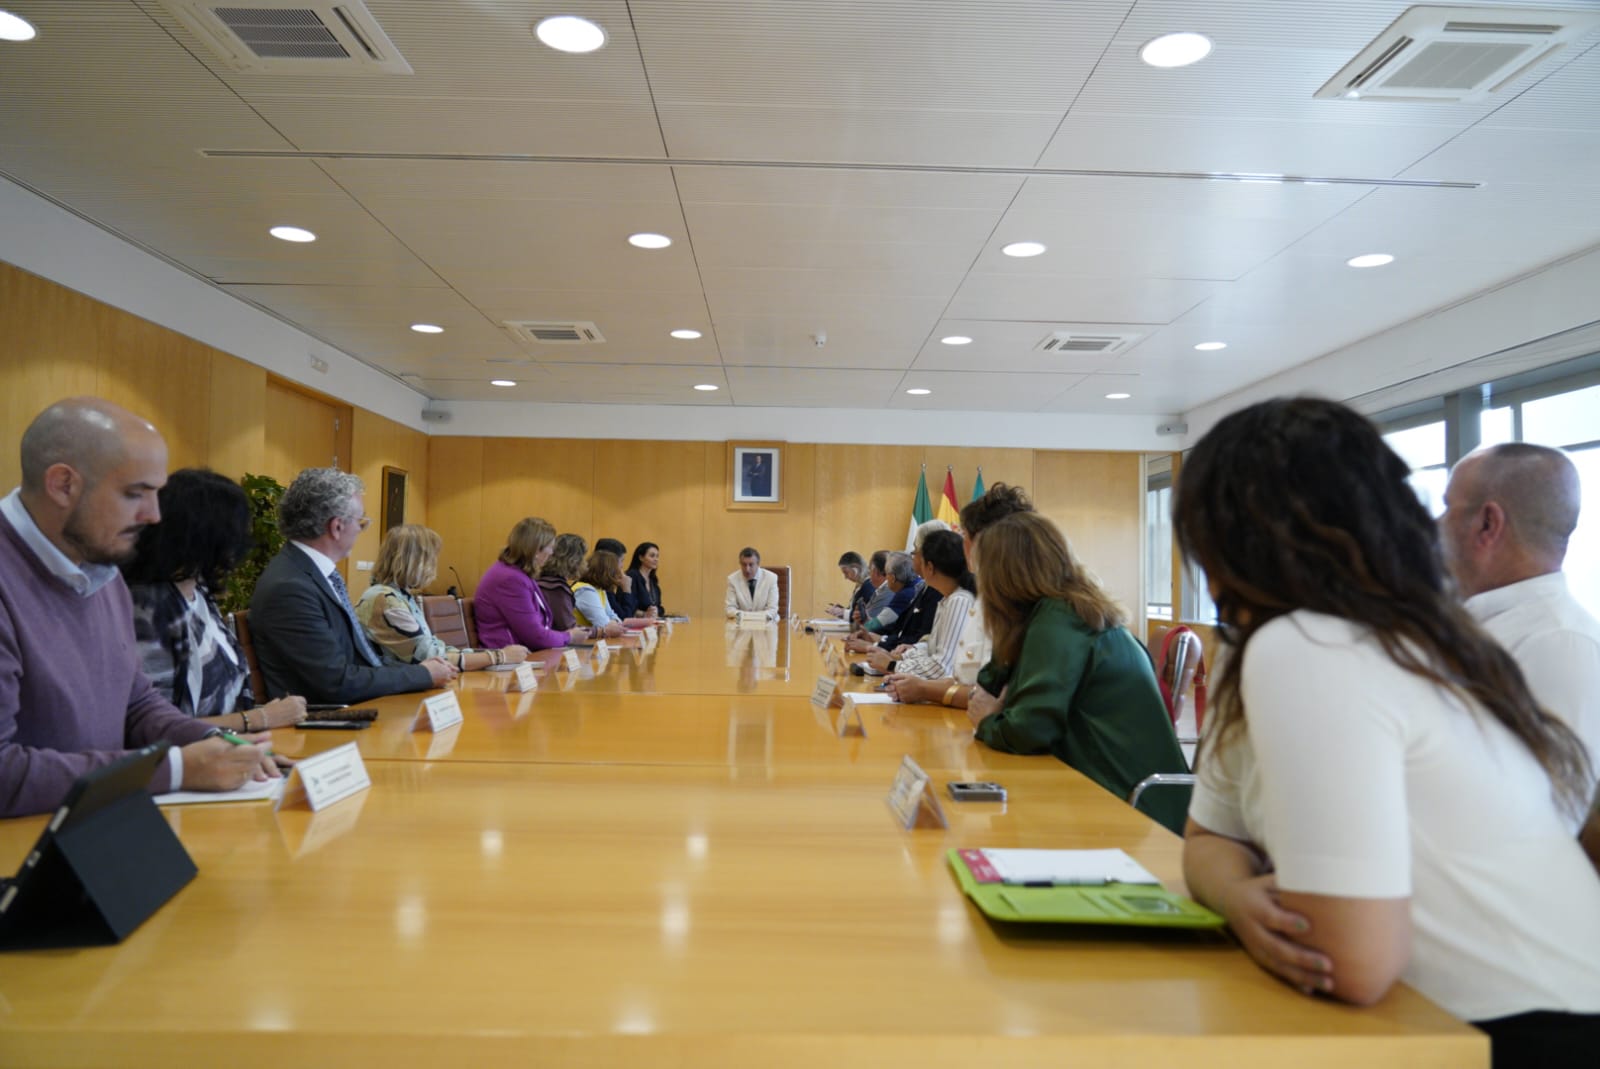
(829, 624)
(265, 791)
(870, 697)
(1068, 867)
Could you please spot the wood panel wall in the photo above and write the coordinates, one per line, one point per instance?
(214, 409)
(837, 497)
(217, 410)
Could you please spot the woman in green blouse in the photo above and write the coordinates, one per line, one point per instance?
(1067, 678)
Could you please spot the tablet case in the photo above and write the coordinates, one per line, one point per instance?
(1140, 905)
(106, 861)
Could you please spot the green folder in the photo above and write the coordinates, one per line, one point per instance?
(1143, 905)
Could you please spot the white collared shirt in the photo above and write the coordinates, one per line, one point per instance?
(1556, 643)
(84, 580)
(325, 564)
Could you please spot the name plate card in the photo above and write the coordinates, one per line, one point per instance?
(320, 781)
(850, 722)
(647, 637)
(749, 620)
(438, 712)
(602, 654)
(569, 661)
(524, 678)
(825, 692)
(666, 625)
(912, 803)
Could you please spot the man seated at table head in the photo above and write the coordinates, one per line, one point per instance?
(304, 626)
(620, 599)
(73, 695)
(752, 588)
(1510, 510)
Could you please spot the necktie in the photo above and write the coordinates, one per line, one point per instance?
(752, 588)
(363, 646)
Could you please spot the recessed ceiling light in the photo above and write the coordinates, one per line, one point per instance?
(1118, 396)
(707, 387)
(292, 233)
(649, 241)
(427, 328)
(569, 33)
(918, 391)
(1210, 346)
(1371, 259)
(1176, 50)
(686, 335)
(1023, 248)
(501, 382)
(14, 28)
(956, 339)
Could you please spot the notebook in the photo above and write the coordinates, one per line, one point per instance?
(1100, 895)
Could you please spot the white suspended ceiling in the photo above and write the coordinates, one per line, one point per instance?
(843, 169)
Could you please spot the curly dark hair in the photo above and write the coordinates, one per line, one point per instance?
(944, 553)
(204, 532)
(1299, 504)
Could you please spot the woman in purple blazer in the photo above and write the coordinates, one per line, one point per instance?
(510, 607)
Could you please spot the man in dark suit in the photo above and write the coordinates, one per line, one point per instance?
(306, 635)
(757, 475)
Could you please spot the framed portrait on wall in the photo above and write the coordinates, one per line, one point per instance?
(755, 475)
(394, 499)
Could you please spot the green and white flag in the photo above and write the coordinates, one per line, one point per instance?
(977, 487)
(921, 511)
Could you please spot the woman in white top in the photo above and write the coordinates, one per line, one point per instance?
(943, 564)
(1380, 798)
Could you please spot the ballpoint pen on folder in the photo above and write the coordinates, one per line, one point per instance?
(1080, 881)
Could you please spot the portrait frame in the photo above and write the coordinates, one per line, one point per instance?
(393, 511)
(755, 476)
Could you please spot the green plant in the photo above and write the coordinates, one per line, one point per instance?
(264, 492)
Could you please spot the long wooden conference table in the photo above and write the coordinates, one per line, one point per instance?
(672, 860)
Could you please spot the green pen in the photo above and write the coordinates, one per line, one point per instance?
(228, 736)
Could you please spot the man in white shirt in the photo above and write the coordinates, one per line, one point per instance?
(1510, 510)
(752, 588)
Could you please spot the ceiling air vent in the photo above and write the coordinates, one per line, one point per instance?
(1072, 341)
(541, 333)
(292, 36)
(1456, 53)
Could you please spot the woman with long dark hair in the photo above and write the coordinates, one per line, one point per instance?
(646, 582)
(1380, 797)
(1067, 677)
(189, 653)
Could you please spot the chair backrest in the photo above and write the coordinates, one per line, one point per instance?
(470, 620)
(1182, 666)
(241, 630)
(782, 572)
(445, 619)
(1164, 798)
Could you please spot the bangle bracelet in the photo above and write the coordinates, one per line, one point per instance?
(244, 718)
(950, 693)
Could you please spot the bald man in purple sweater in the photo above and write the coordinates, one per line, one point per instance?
(73, 696)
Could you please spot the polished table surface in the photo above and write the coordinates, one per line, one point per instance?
(544, 892)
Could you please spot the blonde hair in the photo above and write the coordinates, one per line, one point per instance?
(566, 560)
(408, 559)
(1025, 558)
(526, 541)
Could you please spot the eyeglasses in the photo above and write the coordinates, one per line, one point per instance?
(363, 523)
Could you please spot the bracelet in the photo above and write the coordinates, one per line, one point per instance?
(949, 694)
(497, 656)
(244, 718)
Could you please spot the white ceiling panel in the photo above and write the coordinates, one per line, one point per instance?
(777, 387)
(853, 167)
(1054, 298)
(1218, 144)
(883, 340)
(780, 187)
(981, 391)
